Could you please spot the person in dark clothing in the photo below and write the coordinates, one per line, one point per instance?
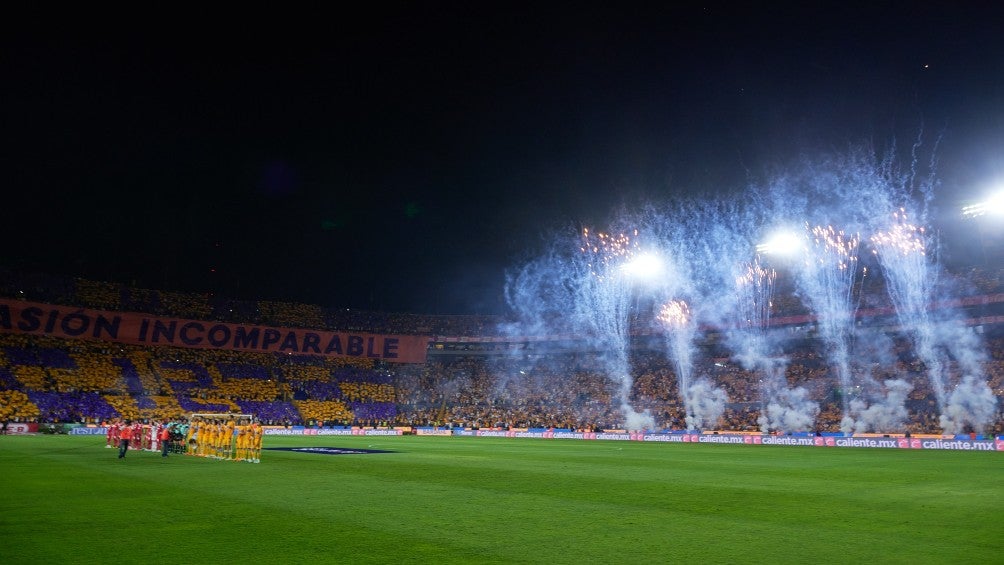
(124, 436)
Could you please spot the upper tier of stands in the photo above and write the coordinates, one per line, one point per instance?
(98, 295)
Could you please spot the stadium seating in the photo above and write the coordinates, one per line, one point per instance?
(466, 382)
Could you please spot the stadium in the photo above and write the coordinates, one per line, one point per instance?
(471, 447)
(552, 283)
(80, 352)
(681, 386)
(842, 405)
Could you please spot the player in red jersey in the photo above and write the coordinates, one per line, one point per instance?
(112, 434)
(137, 435)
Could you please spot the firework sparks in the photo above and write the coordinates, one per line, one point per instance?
(834, 247)
(754, 290)
(674, 314)
(608, 251)
(604, 285)
(827, 283)
(903, 239)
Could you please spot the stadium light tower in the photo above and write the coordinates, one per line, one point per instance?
(988, 216)
(782, 243)
(992, 206)
(644, 267)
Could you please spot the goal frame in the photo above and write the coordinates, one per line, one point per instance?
(222, 416)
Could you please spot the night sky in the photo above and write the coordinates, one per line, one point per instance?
(402, 156)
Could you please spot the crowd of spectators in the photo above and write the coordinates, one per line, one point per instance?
(49, 379)
(572, 390)
(469, 382)
(44, 378)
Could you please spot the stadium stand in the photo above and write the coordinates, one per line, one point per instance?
(472, 377)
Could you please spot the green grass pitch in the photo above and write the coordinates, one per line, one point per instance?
(67, 499)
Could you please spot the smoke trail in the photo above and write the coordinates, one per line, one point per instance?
(971, 404)
(876, 406)
(603, 304)
(699, 241)
(584, 287)
(782, 408)
(907, 254)
(826, 280)
(704, 404)
(836, 198)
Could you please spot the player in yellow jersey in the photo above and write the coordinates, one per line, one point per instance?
(192, 437)
(207, 435)
(256, 434)
(227, 439)
(200, 438)
(243, 442)
(214, 434)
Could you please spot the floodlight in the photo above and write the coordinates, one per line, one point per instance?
(995, 204)
(992, 206)
(783, 243)
(643, 266)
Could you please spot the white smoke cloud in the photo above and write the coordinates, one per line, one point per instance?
(971, 405)
(790, 410)
(884, 414)
(706, 405)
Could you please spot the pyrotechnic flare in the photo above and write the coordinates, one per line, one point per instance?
(827, 279)
(782, 408)
(754, 296)
(903, 238)
(599, 298)
(910, 276)
(704, 404)
(674, 315)
(607, 253)
(902, 252)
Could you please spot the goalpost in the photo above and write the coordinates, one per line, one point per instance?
(227, 436)
(222, 416)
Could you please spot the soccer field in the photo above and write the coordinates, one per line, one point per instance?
(68, 499)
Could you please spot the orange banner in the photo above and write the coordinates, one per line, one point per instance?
(142, 329)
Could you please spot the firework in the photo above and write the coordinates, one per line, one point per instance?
(834, 248)
(827, 280)
(782, 408)
(674, 314)
(903, 239)
(605, 252)
(901, 251)
(683, 276)
(754, 294)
